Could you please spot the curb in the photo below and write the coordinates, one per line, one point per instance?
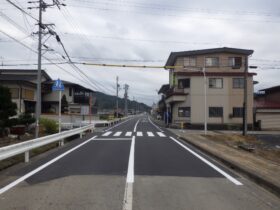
(251, 175)
(275, 189)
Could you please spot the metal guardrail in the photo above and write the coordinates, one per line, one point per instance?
(25, 147)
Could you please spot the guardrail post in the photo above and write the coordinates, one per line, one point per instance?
(81, 135)
(61, 143)
(26, 156)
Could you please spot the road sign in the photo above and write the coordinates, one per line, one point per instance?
(58, 85)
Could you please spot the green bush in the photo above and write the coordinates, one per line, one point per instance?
(12, 122)
(26, 119)
(50, 126)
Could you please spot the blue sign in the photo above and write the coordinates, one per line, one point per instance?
(58, 85)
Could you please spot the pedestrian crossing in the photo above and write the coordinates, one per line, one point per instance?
(130, 133)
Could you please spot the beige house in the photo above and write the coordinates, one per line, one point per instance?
(22, 85)
(224, 76)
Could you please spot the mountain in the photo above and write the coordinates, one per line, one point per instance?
(105, 101)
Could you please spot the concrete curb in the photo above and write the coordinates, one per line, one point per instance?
(275, 189)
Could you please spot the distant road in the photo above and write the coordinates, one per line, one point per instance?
(132, 165)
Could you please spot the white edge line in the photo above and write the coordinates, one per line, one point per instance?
(135, 125)
(118, 124)
(111, 139)
(31, 173)
(155, 125)
(130, 170)
(235, 181)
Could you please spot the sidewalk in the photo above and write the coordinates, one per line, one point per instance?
(263, 171)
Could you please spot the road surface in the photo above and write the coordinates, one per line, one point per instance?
(133, 165)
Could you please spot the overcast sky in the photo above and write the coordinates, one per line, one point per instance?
(142, 32)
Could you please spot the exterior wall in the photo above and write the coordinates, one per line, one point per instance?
(20, 99)
(226, 97)
(54, 95)
(269, 118)
(223, 63)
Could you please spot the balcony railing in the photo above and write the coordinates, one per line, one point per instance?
(174, 91)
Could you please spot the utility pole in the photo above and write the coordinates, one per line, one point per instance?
(38, 102)
(117, 100)
(245, 103)
(125, 98)
(42, 7)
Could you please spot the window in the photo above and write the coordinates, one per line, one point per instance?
(237, 112)
(14, 93)
(184, 112)
(183, 83)
(214, 61)
(70, 91)
(238, 82)
(215, 82)
(215, 111)
(190, 61)
(235, 62)
(28, 94)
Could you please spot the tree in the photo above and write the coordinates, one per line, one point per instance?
(7, 107)
(64, 104)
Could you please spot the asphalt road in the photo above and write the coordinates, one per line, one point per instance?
(133, 165)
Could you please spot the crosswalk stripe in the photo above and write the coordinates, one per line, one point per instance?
(160, 134)
(107, 133)
(150, 134)
(128, 133)
(139, 133)
(118, 133)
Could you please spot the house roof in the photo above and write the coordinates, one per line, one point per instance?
(21, 74)
(272, 89)
(174, 55)
(164, 88)
(50, 82)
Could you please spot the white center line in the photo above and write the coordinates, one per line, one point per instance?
(107, 133)
(31, 173)
(118, 133)
(161, 134)
(129, 133)
(139, 133)
(136, 126)
(150, 134)
(128, 194)
(235, 181)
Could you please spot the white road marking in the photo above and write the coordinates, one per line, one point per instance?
(130, 170)
(119, 124)
(135, 126)
(129, 133)
(128, 194)
(161, 134)
(107, 133)
(235, 181)
(155, 125)
(31, 173)
(150, 134)
(111, 139)
(118, 133)
(139, 133)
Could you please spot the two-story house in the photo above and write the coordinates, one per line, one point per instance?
(224, 77)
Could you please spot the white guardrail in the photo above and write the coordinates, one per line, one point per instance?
(25, 147)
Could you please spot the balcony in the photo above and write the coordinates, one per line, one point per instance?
(175, 94)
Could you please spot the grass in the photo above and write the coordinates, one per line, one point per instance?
(233, 140)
